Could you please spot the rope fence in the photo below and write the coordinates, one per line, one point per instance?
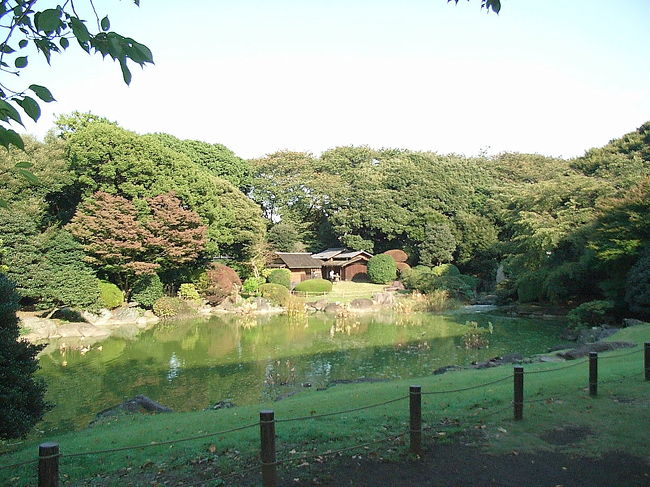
(50, 455)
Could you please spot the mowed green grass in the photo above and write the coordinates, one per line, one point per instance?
(617, 419)
(347, 291)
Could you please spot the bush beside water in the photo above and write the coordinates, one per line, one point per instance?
(110, 295)
(277, 294)
(147, 290)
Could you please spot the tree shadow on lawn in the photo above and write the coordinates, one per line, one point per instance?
(459, 463)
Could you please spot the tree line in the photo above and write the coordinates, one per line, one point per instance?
(110, 204)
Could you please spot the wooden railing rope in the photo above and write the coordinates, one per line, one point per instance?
(49, 454)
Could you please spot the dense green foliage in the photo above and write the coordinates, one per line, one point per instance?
(168, 307)
(110, 295)
(277, 294)
(382, 269)
(252, 284)
(314, 286)
(147, 290)
(590, 313)
(28, 28)
(637, 285)
(22, 401)
(188, 292)
(280, 276)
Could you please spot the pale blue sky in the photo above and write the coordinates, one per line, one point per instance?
(554, 76)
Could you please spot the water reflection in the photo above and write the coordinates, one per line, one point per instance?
(190, 365)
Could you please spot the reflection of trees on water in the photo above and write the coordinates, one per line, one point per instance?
(194, 364)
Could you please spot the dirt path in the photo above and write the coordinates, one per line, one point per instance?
(459, 465)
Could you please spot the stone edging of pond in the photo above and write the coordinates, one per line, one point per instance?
(83, 328)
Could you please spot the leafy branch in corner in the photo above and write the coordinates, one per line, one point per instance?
(50, 31)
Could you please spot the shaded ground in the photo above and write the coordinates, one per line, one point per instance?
(457, 464)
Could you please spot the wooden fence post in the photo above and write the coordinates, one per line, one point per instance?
(647, 360)
(415, 410)
(267, 436)
(593, 373)
(519, 392)
(48, 464)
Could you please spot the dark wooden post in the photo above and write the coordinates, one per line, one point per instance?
(647, 360)
(48, 464)
(267, 436)
(519, 392)
(593, 373)
(415, 409)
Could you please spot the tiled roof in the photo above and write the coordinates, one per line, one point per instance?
(329, 253)
(299, 260)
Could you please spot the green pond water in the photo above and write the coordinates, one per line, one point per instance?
(192, 364)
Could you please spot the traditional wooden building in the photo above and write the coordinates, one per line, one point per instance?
(301, 264)
(344, 264)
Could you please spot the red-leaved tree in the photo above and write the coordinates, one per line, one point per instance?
(177, 235)
(113, 238)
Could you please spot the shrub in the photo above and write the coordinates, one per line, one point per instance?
(147, 290)
(281, 276)
(222, 281)
(314, 286)
(110, 295)
(470, 281)
(445, 270)
(398, 255)
(252, 285)
(588, 314)
(530, 287)
(439, 300)
(476, 337)
(402, 267)
(167, 307)
(382, 269)
(188, 292)
(506, 291)
(276, 293)
(22, 402)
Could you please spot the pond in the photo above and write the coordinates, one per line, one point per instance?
(192, 364)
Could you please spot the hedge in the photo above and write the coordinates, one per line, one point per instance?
(314, 286)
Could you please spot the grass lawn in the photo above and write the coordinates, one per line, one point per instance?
(557, 401)
(346, 291)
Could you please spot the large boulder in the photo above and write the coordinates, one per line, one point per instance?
(384, 299)
(126, 315)
(333, 309)
(139, 404)
(362, 304)
(584, 350)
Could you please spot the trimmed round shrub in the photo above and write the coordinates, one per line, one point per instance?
(446, 270)
(398, 255)
(280, 276)
(276, 293)
(188, 292)
(222, 281)
(167, 307)
(382, 269)
(252, 284)
(110, 295)
(314, 286)
(147, 290)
